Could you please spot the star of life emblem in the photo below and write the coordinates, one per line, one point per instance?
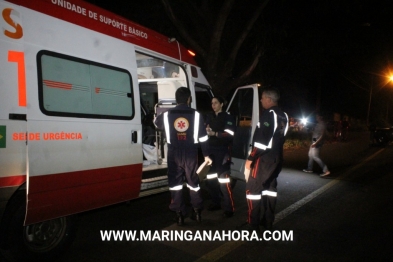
(181, 124)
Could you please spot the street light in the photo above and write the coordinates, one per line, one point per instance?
(370, 89)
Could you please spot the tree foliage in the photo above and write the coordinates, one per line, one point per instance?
(217, 31)
(306, 49)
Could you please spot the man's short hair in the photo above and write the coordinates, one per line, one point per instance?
(272, 93)
(182, 94)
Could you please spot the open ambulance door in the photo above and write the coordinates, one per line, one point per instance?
(244, 106)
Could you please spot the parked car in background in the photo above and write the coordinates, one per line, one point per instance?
(381, 136)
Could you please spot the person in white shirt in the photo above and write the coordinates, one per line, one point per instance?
(318, 137)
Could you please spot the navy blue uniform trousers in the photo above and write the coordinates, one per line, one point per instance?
(221, 185)
(263, 182)
(182, 167)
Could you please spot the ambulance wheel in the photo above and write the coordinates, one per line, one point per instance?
(43, 241)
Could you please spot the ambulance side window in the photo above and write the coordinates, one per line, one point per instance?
(242, 109)
(204, 97)
(74, 87)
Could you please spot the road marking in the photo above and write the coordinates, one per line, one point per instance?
(226, 248)
(292, 208)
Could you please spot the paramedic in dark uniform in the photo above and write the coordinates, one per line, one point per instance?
(265, 161)
(220, 126)
(184, 130)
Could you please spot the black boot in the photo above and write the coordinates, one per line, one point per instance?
(179, 218)
(228, 214)
(268, 225)
(198, 216)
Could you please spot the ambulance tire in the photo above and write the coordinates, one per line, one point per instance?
(43, 241)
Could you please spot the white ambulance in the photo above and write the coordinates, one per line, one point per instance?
(78, 88)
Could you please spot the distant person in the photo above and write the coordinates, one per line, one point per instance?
(184, 130)
(338, 130)
(220, 126)
(345, 130)
(318, 137)
(265, 161)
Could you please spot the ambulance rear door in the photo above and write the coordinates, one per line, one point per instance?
(244, 106)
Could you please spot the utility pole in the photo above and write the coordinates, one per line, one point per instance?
(369, 101)
(369, 105)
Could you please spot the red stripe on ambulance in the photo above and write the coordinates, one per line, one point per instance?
(54, 84)
(81, 190)
(12, 181)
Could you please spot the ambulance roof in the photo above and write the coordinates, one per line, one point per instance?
(97, 19)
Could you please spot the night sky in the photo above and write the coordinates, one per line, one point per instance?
(322, 54)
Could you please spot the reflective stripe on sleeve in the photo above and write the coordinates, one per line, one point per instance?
(269, 193)
(196, 189)
(274, 130)
(176, 188)
(211, 176)
(203, 139)
(286, 128)
(224, 180)
(253, 197)
(275, 120)
(196, 127)
(166, 125)
(260, 146)
(229, 132)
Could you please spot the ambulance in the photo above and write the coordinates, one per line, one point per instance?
(79, 87)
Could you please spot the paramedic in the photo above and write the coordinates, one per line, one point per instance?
(184, 130)
(265, 161)
(220, 126)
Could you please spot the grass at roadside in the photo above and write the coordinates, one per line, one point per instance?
(302, 139)
(296, 144)
(297, 139)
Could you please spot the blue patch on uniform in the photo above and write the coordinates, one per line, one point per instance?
(266, 124)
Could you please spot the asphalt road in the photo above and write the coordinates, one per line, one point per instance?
(347, 217)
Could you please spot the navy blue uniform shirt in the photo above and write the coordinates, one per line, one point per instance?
(184, 128)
